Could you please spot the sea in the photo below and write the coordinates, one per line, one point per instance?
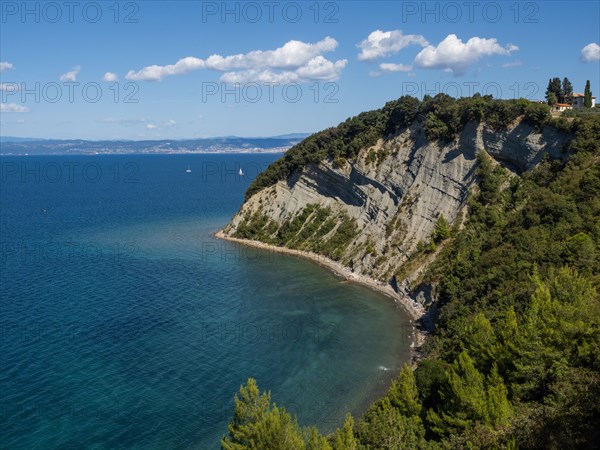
(124, 324)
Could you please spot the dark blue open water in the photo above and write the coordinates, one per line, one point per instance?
(124, 324)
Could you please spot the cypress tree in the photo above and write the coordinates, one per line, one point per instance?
(587, 95)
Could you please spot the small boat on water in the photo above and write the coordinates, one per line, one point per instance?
(241, 172)
(188, 170)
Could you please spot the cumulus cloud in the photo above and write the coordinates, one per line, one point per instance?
(453, 55)
(383, 43)
(151, 126)
(294, 61)
(156, 73)
(389, 67)
(110, 76)
(13, 108)
(71, 75)
(590, 53)
(5, 66)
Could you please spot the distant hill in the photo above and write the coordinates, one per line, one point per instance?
(232, 144)
(17, 139)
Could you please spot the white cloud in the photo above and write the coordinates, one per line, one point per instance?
(168, 124)
(71, 75)
(382, 43)
(5, 66)
(455, 56)
(259, 76)
(294, 61)
(291, 55)
(389, 67)
(320, 68)
(156, 73)
(110, 76)
(13, 108)
(516, 63)
(590, 53)
(9, 87)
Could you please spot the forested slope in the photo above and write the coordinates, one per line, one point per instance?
(514, 359)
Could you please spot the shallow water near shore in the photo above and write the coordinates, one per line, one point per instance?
(125, 324)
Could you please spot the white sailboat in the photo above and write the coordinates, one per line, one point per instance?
(241, 172)
(188, 170)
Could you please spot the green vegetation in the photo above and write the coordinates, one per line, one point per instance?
(558, 92)
(441, 231)
(587, 95)
(514, 361)
(309, 230)
(442, 117)
(257, 424)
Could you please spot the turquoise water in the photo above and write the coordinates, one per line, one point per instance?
(125, 324)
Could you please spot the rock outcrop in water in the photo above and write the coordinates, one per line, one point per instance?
(374, 211)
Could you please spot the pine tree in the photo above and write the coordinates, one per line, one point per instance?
(481, 341)
(464, 399)
(467, 397)
(278, 431)
(551, 99)
(554, 87)
(344, 437)
(567, 90)
(251, 408)
(258, 425)
(508, 336)
(587, 95)
(441, 230)
(404, 394)
(384, 427)
(499, 409)
(316, 441)
(533, 359)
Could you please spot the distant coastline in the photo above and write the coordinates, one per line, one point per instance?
(155, 152)
(217, 145)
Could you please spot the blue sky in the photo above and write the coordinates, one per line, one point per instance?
(153, 70)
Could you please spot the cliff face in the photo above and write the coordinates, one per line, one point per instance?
(392, 195)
